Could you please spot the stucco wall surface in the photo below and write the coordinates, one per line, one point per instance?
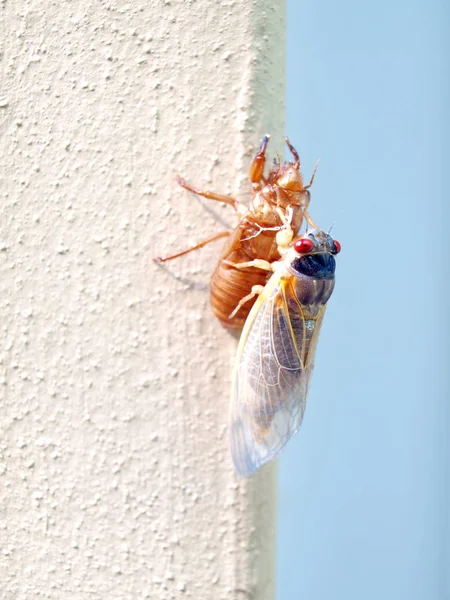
(115, 477)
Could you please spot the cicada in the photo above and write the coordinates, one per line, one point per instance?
(278, 207)
(275, 356)
(275, 283)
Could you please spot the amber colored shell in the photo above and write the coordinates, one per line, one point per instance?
(255, 238)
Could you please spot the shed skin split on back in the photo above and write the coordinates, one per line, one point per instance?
(279, 204)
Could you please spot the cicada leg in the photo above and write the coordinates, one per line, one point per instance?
(258, 263)
(312, 176)
(238, 207)
(212, 238)
(256, 290)
(297, 162)
(285, 231)
(258, 164)
(293, 152)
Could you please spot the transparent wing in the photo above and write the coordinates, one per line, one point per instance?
(274, 362)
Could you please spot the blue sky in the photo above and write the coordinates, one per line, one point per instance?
(364, 502)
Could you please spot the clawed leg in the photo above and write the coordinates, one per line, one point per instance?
(293, 152)
(297, 162)
(212, 238)
(256, 290)
(312, 176)
(258, 263)
(238, 207)
(258, 163)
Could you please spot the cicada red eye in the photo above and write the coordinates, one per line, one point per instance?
(303, 246)
(337, 246)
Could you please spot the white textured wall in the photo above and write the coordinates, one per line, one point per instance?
(115, 478)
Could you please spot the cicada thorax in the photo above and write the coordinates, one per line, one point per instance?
(305, 310)
(307, 285)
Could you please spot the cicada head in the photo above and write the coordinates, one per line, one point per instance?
(315, 241)
(288, 187)
(289, 178)
(310, 260)
(287, 182)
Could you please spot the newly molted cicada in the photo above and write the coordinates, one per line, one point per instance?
(278, 206)
(275, 356)
(276, 282)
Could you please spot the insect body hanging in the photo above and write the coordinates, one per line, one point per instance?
(279, 203)
(275, 356)
(276, 283)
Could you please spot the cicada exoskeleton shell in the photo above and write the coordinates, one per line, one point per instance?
(279, 202)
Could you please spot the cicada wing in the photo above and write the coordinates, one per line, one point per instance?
(271, 377)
